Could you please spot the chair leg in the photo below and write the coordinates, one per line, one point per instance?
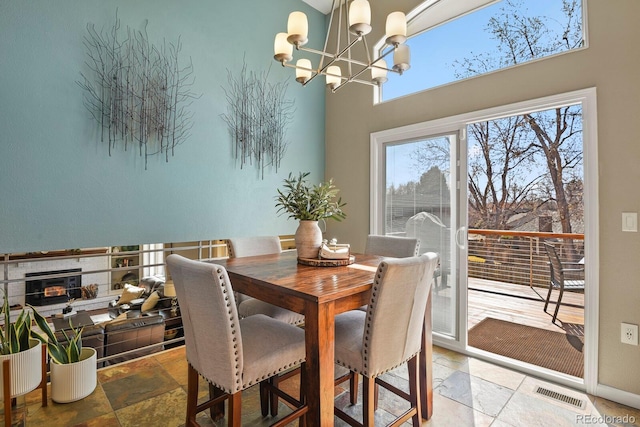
(546, 304)
(303, 394)
(368, 401)
(414, 390)
(273, 399)
(192, 396)
(235, 410)
(216, 411)
(555, 313)
(353, 385)
(264, 398)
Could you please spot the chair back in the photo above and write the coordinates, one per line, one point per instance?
(253, 246)
(555, 265)
(396, 311)
(210, 321)
(392, 246)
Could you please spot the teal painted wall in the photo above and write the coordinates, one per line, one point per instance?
(58, 186)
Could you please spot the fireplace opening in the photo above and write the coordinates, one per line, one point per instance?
(44, 290)
(55, 291)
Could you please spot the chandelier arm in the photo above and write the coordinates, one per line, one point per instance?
(339, 26)
(352, 78)
(315, 73)
(364, 82)
(353, 61)
(326, 38)
(373, 64)
(366, 48)
(349, 43)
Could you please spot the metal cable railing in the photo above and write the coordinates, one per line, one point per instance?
(102, 268)
(518, 257)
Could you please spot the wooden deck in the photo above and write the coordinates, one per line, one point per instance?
(524, 305)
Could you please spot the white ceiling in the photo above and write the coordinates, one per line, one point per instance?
(323, 6)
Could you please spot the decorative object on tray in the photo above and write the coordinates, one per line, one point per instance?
(334, 250)
(309, 204)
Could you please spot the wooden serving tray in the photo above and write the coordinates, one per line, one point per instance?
(315, 262)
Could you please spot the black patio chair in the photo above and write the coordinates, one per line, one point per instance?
(558, 269)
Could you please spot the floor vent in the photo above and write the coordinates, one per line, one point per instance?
(578, 403)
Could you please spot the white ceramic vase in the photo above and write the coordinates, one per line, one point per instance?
(74, 381)
(25, 369)
(308, 239)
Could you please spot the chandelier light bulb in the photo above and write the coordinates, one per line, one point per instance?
(334, 77)
(379, 75)
(298, 28)
(303, 70)
(396, 28)
(283, 50)
(360, 17)
(401, 58)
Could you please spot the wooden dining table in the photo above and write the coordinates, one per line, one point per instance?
(320, 293)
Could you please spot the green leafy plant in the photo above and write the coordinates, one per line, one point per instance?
(14, 337)
(61, 353)
(304, 201)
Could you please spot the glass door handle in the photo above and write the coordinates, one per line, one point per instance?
(461, 232)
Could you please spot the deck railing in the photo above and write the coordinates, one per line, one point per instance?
(518, 257)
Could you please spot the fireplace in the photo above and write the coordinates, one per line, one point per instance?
(43, 290)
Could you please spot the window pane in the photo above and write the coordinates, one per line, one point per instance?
(504, 34)
(418, 204)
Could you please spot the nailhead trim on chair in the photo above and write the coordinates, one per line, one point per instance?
(238, 374)
(372, 303)
(271, 374)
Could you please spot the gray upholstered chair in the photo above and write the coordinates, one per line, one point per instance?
(386, 246)
(558, 277)
(392, 246)
(247, 306)
(389, 333)
(230, 353)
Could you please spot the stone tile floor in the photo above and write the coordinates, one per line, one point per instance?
(468, 392)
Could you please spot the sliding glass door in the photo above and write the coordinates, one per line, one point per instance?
(489, 169)
(420, 178)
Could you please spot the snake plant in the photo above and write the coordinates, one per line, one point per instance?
(62, 353)
(14, 337)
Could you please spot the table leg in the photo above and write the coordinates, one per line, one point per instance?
(319, 341)
(426, 365)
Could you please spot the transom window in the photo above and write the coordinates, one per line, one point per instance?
(503, 34)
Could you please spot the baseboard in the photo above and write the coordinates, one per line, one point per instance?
(619, 396)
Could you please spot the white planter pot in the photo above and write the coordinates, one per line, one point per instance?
(25, 369)
(308, 239)
(74, 381)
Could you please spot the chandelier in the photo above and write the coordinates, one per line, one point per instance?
(356, 19)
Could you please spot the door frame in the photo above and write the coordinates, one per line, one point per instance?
(585, 97)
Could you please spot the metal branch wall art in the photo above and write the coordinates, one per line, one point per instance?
(257, 116)
(138, 93)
